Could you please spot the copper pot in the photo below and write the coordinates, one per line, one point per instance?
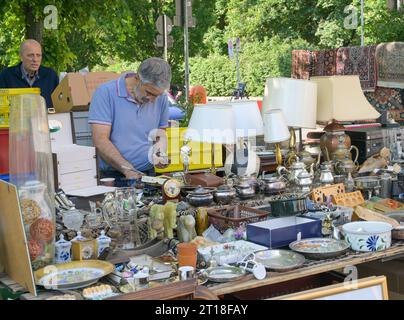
(333, 137)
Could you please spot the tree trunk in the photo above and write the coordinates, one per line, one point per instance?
(33, 25)
(392, 4)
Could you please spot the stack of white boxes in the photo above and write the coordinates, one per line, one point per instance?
(75, 166)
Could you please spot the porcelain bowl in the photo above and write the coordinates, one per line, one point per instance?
(368, 236)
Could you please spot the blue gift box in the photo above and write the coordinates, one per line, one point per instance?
(280, 232)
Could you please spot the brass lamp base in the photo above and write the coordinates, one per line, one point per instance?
(292, 153)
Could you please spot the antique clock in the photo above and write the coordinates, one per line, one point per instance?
(171, 190)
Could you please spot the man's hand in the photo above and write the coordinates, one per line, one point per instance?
(133, 175)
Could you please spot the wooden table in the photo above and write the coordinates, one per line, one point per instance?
(309, 268)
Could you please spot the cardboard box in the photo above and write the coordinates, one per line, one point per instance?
(75, 91)
(280, 232)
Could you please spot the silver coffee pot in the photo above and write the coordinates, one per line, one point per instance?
(326, 176)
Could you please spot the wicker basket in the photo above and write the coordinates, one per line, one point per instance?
(234, 216)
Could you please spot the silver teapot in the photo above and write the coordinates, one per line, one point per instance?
(245, 188)
(296, 168)
(272, 185)
(200, 197)
(224, 194)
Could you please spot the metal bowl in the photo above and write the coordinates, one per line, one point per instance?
(320, 248)
(367, 183)
(280, 260)
(224, 274)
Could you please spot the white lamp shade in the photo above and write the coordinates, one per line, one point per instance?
(211, 123)
(275, 127)
(296, 98)
(341, 98)
(247, 118)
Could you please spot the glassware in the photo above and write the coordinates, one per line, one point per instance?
(93, 219)
(73, 219)
(31, 170)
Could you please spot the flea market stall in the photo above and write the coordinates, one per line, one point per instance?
(251, 206)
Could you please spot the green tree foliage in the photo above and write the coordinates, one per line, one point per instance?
(258, 61)
(118, 34)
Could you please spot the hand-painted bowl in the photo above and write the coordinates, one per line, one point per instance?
(368, 235)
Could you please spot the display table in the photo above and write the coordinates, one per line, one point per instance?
(311, 267)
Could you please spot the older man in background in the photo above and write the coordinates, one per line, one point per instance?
(29, 73)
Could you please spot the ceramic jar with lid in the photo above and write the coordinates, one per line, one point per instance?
(62, 250)
(200, 197)
(103, 242)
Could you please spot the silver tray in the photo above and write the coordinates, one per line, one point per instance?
(224, 274)
(320, 248)
(280, 260)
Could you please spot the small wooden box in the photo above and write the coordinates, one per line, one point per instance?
(84, 250)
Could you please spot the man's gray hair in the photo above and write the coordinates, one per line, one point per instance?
(28, 42)
(155, 71)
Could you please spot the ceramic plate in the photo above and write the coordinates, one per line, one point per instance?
(320, 248)
(280, 260)
(72, 275)
(224, 274)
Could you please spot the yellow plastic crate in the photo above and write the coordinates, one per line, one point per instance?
(201, 153)
(5, 98)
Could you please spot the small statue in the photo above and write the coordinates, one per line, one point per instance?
(170, 219)
(186, 228)
(377, 161)
(156, 221)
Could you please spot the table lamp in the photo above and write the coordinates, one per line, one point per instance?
(248, 124)
(298, 101)
(275, 130)
(340, 98)
(211, 123)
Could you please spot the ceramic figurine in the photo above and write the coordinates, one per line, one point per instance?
(170, 219)
(186, 228)
(62, 250)
(156, 221)
(103, 242)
